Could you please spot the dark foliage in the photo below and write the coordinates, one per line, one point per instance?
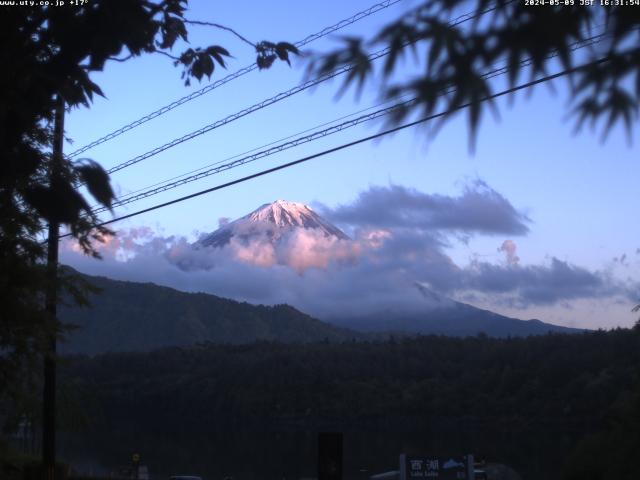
(453, 56)
(557, 377)
(48, 55)
(585, 385)
(269, 52)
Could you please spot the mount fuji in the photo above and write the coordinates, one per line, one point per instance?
(272, 223)
(272, 220)
(136, 316)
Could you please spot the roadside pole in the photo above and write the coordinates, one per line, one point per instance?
(49, 391)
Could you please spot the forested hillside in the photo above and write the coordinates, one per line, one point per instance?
(129, 316)
(571, 385)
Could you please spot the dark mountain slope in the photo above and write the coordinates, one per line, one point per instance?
(127, 316)
(454, 319)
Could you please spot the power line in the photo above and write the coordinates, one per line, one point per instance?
(247, 152)
(242, 113)
(239, 73)
(277, 148)
(272, 100)
(253, 157)
(502, 93)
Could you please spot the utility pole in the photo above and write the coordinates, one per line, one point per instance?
(330, 456)
(49, 391)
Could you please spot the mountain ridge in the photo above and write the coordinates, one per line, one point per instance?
(131, 316)
(458, 320)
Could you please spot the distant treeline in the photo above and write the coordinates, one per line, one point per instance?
(583, 384)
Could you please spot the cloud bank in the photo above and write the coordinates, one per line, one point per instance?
(399, 240)
(479, 210)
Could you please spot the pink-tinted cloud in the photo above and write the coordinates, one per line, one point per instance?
(376, 270)
(509, 249)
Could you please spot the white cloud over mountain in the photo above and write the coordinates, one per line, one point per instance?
(399, 237)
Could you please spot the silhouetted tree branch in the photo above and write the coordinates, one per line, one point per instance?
(454, 55)
(47, 53)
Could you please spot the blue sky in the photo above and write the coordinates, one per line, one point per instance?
(576, 190)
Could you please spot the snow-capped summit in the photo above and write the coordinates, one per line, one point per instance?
(273, 220)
